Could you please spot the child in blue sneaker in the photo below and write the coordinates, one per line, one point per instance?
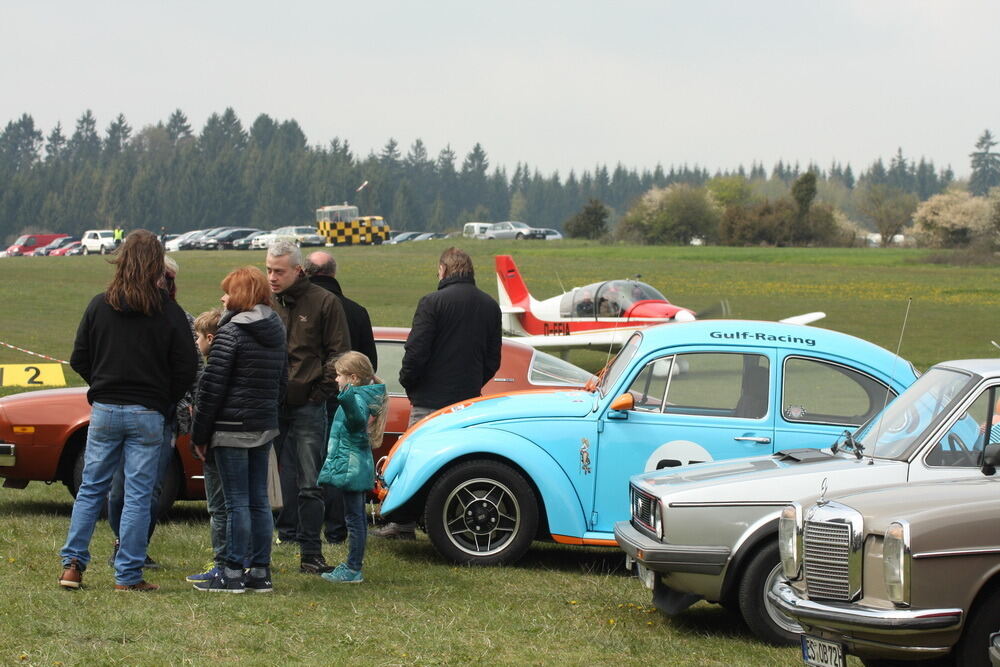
(356, 430)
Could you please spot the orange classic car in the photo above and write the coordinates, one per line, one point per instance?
(43, 433)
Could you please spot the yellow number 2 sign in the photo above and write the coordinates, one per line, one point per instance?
(33, 375)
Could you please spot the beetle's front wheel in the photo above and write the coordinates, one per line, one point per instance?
(481, 513)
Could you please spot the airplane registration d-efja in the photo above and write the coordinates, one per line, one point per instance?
(601, 315)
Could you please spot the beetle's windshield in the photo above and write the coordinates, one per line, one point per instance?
(619, 364)
(904, 424)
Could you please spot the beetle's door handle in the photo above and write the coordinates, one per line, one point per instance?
(747, 438)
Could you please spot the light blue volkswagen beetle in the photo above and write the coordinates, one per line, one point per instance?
(489, 475)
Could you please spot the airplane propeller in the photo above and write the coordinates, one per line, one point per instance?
(718, 310)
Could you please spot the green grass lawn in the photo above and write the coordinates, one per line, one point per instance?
(559, 604)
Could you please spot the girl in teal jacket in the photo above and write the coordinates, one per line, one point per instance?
(356, 430)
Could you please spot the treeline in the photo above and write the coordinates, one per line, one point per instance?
(169, 176)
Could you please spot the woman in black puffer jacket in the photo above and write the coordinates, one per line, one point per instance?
(236, 417)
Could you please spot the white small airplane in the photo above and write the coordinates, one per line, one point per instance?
(600, 315)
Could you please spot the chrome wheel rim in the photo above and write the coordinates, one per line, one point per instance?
(783, 621)
(481, 517)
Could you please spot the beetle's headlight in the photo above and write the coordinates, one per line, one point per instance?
(790, 540)
(896, 562)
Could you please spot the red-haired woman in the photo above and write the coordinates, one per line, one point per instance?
(236, 417)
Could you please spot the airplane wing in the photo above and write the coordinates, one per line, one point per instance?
(514, 310)
(611, 339)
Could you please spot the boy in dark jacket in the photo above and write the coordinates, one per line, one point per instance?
(205, 327)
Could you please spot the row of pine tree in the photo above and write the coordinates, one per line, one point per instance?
(169, 177)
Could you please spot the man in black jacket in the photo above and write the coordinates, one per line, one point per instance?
(321, 268)
(317, 332)
(453, 348)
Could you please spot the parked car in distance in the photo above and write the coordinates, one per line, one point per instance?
(710, 531)
(52, 424)
(403, 237)
(190, 242)
(246, 243)
(301, 235)
(174, 244)
(55, 244)
(208, 237)
(224, 240)
(429, 236)
(100, 241)
(557, 466)
(26, 244)
(475, 230)
(74, 248)
(906, 572)
(511, 229)
(552, 234)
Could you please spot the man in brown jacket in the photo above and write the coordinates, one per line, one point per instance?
(317, 332)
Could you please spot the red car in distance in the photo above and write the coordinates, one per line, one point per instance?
(65, 250)
(43, 433)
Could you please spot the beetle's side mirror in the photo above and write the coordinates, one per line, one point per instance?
(991, 459)
(623, 403)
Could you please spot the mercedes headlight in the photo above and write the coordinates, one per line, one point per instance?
(896, 562)
(790, 540)
(658, 520)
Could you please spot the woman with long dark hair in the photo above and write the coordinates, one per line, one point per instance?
(133, 347)
(236, 417)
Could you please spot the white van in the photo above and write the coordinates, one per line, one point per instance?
(475, 230)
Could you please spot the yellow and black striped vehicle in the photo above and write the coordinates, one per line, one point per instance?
(341, 225)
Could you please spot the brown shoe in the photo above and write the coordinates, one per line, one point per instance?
(397, 531)
(72, 576)
(141, 587)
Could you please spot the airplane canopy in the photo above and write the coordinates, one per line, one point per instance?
(611, 298)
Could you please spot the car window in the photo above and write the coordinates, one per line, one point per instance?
(820, 392)
(650, 385)
(962, 445)
(546, 369)
(390, 360)
(719, 384)
(903, 425)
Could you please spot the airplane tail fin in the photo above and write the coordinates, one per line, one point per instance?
(510, 286)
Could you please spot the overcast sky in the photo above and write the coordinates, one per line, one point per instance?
(559, 85)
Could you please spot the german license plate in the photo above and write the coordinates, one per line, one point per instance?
(821, 653)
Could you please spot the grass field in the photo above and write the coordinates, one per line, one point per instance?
(558, 605)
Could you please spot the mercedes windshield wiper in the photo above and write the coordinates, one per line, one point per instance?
(848, 440)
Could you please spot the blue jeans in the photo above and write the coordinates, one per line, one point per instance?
(216, 508)
(302, 445)
(334, 528)
(118, 433)
(116, 499)
(357, 527)
(248, 513)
